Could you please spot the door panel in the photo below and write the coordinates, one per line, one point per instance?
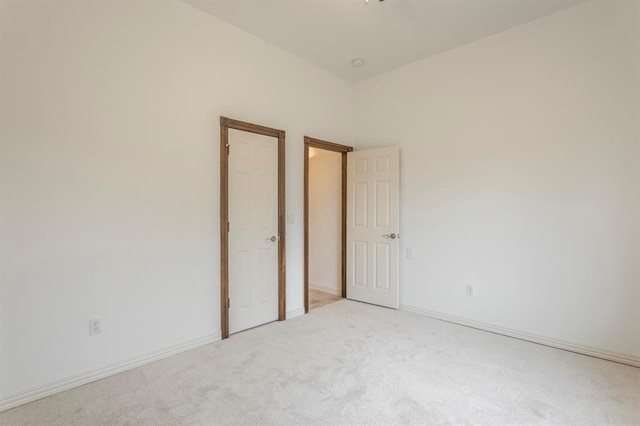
(253, 219)
(373, 189)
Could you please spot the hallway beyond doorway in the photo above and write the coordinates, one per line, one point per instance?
(319, 298)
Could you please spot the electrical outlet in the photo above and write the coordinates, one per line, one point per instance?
(291, 219)
(409, 254)
(95, 327)
(471, 290)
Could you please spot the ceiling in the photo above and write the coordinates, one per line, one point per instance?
(386, 34)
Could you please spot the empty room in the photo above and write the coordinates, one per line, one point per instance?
(319, 212)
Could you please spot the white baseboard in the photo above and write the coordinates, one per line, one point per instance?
(295, 313)
(91, 376)
(326, 289)
(530, 337)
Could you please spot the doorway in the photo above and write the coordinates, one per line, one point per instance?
(252, 225)
(325, 196)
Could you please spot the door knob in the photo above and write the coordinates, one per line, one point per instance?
(391, 236)
(273, 238)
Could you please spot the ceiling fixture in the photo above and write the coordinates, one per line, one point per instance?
(366, 2)
(357, 62)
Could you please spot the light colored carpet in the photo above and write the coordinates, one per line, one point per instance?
(320, 298)
(352, 363)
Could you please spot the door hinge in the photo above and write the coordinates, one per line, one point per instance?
(228, 226)
(228, 148)
(228, 302)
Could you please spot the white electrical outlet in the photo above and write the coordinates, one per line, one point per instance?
(291, 219)
(95, 327)
(409, 254)
(471, 290)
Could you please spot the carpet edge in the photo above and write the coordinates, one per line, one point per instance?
(74, 381)
(295, 313)
(604, 354)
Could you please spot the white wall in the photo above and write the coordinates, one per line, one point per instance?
(325, 218)
(521, 176)
(110, 174)
(2, 120)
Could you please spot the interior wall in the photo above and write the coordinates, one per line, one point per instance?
(110, 174)
(520, 176)
(325, 221)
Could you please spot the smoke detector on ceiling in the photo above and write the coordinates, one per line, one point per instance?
(357, 62)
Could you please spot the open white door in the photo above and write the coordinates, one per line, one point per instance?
(253, 230)
(373, 203)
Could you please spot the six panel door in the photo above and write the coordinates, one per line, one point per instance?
(373, 182)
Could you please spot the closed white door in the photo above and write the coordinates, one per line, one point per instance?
(373, 200)
(253, 230)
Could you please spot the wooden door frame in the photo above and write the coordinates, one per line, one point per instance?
(310, 142)
(226, 124)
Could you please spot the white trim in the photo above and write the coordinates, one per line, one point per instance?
(295, 313)
(530, 337)
(91, 376)
(326, 289)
